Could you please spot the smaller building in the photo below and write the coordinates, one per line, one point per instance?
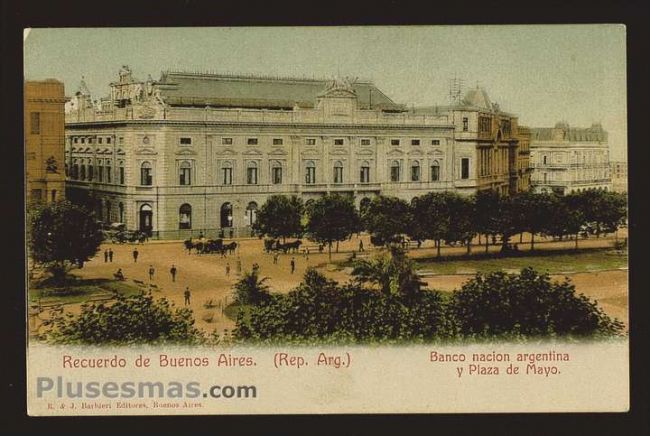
(44, 124)
(567, 159)
(619, 176)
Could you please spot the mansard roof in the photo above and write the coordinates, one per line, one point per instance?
(222, 90)
(566, 133)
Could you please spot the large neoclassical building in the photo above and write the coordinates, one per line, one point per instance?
(197, 152)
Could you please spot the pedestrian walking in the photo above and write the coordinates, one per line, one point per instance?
(172, 271)
(307, 254)
(361, 246)
(105, 256)
(135, 255)
(187, 296)
(110, 255)
(275, 258)
(227, 269)
(256, 268)
(293, 265)
(151, 272)
(238, 266)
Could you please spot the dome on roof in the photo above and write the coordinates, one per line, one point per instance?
(478, 98)
(561, 125)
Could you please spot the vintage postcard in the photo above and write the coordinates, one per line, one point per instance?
(300, 220)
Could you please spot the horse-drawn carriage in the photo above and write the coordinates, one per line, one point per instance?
(129, 236)
(275, 245)
(207, 246)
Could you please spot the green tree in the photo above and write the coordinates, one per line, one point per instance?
(460, 211)
(603, 211)
(526, 304)
(133, 319)
(387, 219)
(430, 218)
(280, 217)
(531, 212)
(251, 289)
(63, 235)
(487, 214)
(332, 218)
(393, 274)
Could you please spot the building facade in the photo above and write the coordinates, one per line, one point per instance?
(567, 159)
(619, 176)
(197, 152)
(44, 141)
(498, 146)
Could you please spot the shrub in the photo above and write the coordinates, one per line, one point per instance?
(528, 304)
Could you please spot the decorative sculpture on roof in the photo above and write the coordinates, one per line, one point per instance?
(339, 83)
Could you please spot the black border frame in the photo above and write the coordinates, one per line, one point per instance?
(121, 13)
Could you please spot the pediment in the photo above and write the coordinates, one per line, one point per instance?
(226, 152)
(252, 152)
(186, 152)
(146, 151)
(278, 152)
(436, 152)
(365, 152)
(395, 152)
(310, 151)
(120, 151)
(339, 151)
(416, 152)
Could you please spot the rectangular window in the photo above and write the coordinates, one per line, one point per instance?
(310, 175)
(99, 140)
(415, 142)
(100, 173)
(121, 175)
(35, 123)
(394, 173)
(227, 176)
(435, 173)
(464, 168)
(338, 174)
(465, 124)
(276, 175)
(91, 173)
(485, 124)
(251, 141)
(226, 141)
(338, 142)
(145, 177)
(364, 177)
(310, 141)
(251, 176)
(365, 142)
(76, 140)
(185, 176)
(415, 173)
(53, 195)
(108, 140)
(277, 141)
(121, 140)
(435, 142)
(186, 141)
(109, 170)
(90, 140)
(83, 140)
(394, 142)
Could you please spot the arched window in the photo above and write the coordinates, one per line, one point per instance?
(185, 173)
(146, 177)
(415, 171)
(82, 172)
(364, 172)
(251, 173)
(226, 171)
(185, 217)
(109, 214)
(394, 171)
(75, 169)
(544, 159)
(435, 171)
(146, 218)
(251, 213)
(91, 172)
(109, 171)
(120, 208)
(67, 170)
(338, 172)
(226, 215)
(310, 173)
(121, 174)
(276, 172)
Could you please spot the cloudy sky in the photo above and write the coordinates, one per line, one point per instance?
(544, 74)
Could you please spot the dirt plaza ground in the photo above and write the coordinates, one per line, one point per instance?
(206, 276)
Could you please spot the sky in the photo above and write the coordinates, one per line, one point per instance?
(541, 73)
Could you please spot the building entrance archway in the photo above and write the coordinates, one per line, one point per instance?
(226, 215)
(146, 219)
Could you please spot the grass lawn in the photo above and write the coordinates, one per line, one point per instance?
(543, 261)
(80, 290)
